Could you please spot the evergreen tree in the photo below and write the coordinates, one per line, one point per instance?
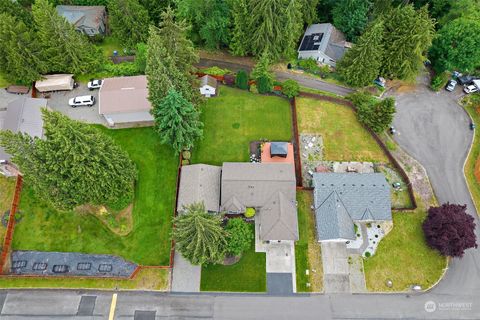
(15, 9)
(457, 46)
(240, 43)
(177, 121)
(129, 21)
(241, 80)
(262, 74)
(361, 64)
(199, 236)
(309, 11)
(19, 53)
(155, 8)
(63, 48)
(351, 17)
(75, 164)
(408, 35)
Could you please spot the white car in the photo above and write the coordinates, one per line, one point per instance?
(94, 84)
(470, 89)
(82, 101)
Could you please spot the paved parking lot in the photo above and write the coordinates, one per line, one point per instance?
(58, 101)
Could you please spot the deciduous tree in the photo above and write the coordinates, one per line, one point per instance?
(177, 121)
(450, 229)
(239, 236)
(75, 164)
(290, 88)
(129, 21)
(351, 17)
(199, 236)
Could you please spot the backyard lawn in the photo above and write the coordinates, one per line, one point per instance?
(7, 188)
(235, 118)
(344, 137)
(247, 275)
(44, 228)
(404, 257)
(307, 249)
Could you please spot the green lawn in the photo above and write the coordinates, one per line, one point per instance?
(44, 228)
(473, 110)
(344, 137)
(235, 118)
(110, 44)
(404, 257)
(247, 275)
(307, 249)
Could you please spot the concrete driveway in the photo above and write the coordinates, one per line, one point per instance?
(434, 129)
(280, 267)
(336, 277)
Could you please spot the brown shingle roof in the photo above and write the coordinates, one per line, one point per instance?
(124, 94)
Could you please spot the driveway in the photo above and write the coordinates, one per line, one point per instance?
(58, 101)
(434, 129)
(186, 277)
(336, 277)
(280, 265)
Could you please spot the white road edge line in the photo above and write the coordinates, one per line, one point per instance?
(112, 307)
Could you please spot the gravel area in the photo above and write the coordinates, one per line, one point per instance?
(311, 154)
(70, 264)
(58, 101)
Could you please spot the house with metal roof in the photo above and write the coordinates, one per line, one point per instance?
(90, 20)
(324, 43)
(341, 199)
(269, 188)
(22, 115)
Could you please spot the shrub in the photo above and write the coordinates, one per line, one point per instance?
(309, 65)
(239, 236)
(185, 162)
(250, 213)
(186, 155)
(375, 114)
(439, 81)
(141, 57)
(253, 88)
(121, 69)
(216, 71)
(290, 88)
(264, 85)
(241, 80)
(367, 254)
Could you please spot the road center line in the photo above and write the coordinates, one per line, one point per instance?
(112, 307)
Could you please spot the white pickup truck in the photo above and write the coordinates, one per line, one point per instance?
(474, 87)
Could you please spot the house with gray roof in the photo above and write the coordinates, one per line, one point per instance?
(90, 20)
(324, 43)
(341, 199)
(269, 188)
(22, 115)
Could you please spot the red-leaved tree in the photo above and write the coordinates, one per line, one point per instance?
(450, 229)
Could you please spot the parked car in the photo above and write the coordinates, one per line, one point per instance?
(82, 101)
(392, 130)
(94, 84)
(451, 85)
(470, 89)
(465, 80)
(472, 126)
(380, 81)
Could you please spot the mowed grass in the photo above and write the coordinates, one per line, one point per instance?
(404, 257)
(110, 44)
(307, 249)
(473, 109)
(344, 138)
(247, 275)
(46, 229)
(234, 119)
(146, 279)
(7, 189)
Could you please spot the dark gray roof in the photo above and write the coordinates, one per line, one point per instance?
(200, 183)
(23, 115)
(363, 196)
(208, 80)
(330, 40)
(89, 16)
(279, 148)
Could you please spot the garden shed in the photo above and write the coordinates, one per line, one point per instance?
(208, 86)
(279, 149)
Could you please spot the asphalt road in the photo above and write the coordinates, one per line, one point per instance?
(304, 81)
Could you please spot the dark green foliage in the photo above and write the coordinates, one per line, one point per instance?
(408, 35)
(121, 70)
(199, 236)
(290, 88)
(20, 59)
(240, 34)
(16, 10)
(141, 57)
(351, 17)
(457, 46)
(177, 121)
(128, 21)
(210, 20)
(62, 48)
(241, 80)
(460, 9)
(310, 65)
(361, 64)
(155, 8)
(264, 84)
(76, 164)
(375, 114)
(309, 11)
(262, 74)
(439, 81)
(239, 236)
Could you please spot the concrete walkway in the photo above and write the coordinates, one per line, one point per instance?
(186, 277)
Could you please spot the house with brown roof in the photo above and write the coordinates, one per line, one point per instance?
(123, 101)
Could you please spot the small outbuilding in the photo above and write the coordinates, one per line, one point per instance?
(277, 152)
(279, 149)
(208, 86)
(55, 82)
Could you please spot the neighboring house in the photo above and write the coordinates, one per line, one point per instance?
(270, 188)
(324, 43)
(341, 199)
(123, 101)
(208, 86)
(90, 20)
(22, 115)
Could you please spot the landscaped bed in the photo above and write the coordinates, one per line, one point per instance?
(307, 249)
(235, 118)
(46, 229)
(247, 275)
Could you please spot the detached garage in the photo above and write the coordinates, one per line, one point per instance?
(123, 101)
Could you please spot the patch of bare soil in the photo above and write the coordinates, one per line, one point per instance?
(226, 56)
(401, 86)
(119, 222)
